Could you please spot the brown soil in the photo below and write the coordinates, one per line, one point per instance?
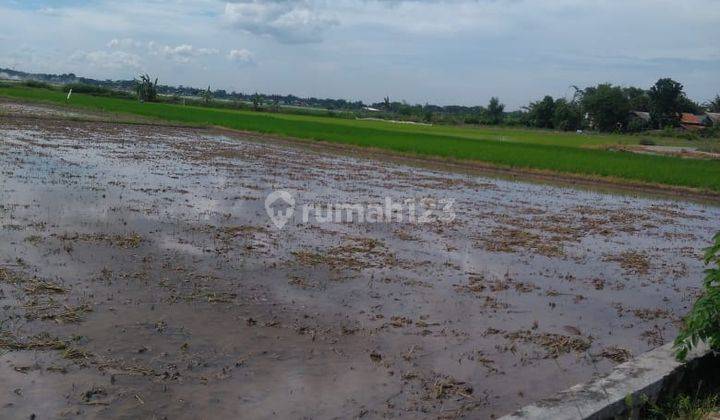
(141, 277)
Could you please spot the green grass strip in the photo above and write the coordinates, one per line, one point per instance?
(542, 150)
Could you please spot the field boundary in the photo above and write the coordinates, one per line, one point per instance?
(104, 121)
(598, 183)
(562, 179)
(629, 387)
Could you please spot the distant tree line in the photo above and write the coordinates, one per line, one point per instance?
(604, 107)
(130, 86)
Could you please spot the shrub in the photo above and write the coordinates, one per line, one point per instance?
(567, 116)
(684, 407)
(37, 84)
(636, 125)
(703, 321)
(95, 90)
(711, 132)
(677, 133)
(146, 89)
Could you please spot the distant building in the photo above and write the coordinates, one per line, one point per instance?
(693, 122)
(640, 115)
(639, 121)
(714, 117)
(688, 121)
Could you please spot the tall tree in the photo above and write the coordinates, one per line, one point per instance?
(207, 95)
(666, 102)
(713, 105)
(567, 115)
(607, 106)
(541, 113)
(688, 105)
(639, 99)
(146, 89)
(495, 111)
(256, 101)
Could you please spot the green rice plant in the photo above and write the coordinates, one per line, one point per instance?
(685, 407)
(37, 84)
(702, 324)
(96, 90)
(516, 148)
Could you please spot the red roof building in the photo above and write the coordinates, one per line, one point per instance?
(690, 121)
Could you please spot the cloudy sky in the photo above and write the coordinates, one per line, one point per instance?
(445, 52)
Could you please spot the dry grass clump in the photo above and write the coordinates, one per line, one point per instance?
(204, 294)
(36, 287)
(354, 253)
(73, 353)
(631, 261)
(42, 341)
(476, 285)
(68, 315)
(555, 344)
(616, 354)
(516, 240)
(242, 230)
(447, 387)
(32, 286)
(9, 277)
(651, 314)
(130, 241)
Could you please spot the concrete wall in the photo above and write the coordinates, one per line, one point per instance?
(621, 393)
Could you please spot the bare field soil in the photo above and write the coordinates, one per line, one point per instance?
(141, 277)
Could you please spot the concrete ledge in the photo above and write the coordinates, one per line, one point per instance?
(621, 393)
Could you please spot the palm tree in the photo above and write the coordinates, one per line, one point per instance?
(146, 89)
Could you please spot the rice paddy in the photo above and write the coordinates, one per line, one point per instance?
(569, 153)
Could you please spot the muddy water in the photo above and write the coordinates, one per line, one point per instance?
(146, 256)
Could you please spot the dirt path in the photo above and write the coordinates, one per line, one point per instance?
(140, 276)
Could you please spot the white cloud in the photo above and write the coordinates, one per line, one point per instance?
(124, 43)
(442, 51)
(108, 60)
(241, 55)
(183, 53)
(286, 21)
(49, 11)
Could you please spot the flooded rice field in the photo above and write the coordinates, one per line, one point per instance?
(140, 276)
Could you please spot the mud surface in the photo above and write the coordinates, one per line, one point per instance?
(140, 276)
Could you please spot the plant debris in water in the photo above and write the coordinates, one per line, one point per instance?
(159, 287)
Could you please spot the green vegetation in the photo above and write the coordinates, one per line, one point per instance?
(597, 108)
(36, 84)
(608, 108)
(146, 89)
(541, 114)
(713, 105)
(666, 103)
(703, 321)
(96, 90)
(685, 407)
(495, 111)
(520, 148)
